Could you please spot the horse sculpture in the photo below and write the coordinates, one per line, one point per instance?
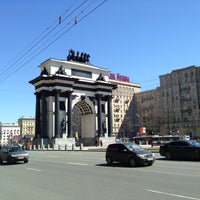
(77, 56)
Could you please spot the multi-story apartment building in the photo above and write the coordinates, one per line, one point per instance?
(9, 133)
(148, 110)
(180, 97)
(175, 105)
(27, 125)
(122, 105)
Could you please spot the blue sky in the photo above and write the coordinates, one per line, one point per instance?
(141, 39)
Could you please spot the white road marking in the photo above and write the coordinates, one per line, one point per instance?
(32, 169)
(174, 195)
(72, 163)
(51, 156)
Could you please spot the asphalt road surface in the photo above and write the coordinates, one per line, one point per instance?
(69, 175)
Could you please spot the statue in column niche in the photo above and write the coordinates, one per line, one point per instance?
(63, 126)
(104, 127)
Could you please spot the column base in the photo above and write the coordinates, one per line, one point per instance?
(63, 141)
(107, 140)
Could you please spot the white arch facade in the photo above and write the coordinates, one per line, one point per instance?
(60, 87)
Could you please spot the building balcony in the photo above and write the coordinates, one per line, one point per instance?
(116, 119)
(116, 100)
(126, 101)
(116, 110)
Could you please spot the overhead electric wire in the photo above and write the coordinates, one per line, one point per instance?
(72, 21)
(15, 62)
(27, 55)
(17, 69)
(30, 49)
(17, 58)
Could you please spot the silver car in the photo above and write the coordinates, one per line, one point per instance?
(13, 154)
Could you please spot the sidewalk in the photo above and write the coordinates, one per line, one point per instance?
(95, 148)
(103, 149)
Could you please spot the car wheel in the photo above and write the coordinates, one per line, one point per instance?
(1, 161)
(168, 155)
(9, 160)
(25, 160)
(109, 160)
(150, 164)
(132, 162)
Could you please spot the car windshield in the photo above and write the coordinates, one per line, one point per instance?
(133, 147)
(194, 143)
(15, 149)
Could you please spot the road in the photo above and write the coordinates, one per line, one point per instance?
(83, 175)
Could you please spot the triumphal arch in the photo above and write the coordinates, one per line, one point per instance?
(73, 101)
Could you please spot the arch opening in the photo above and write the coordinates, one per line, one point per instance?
(83, 121)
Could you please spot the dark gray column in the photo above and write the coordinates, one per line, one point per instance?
(37, 116)
(43, 120)
(57, 114)
(99, 110)
(69, 114)
(110, 125)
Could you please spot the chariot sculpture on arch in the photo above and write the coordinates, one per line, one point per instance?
(77, 56)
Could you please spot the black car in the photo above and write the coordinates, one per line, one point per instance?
(13, 154)
(129, 153)
(181, 149)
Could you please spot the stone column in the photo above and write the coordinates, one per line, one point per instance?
(57, 114)
(110, 125)
(69, 115)
(37, 117)
(43, 120)
(99, 110)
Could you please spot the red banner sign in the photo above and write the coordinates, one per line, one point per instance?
(119, 77)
